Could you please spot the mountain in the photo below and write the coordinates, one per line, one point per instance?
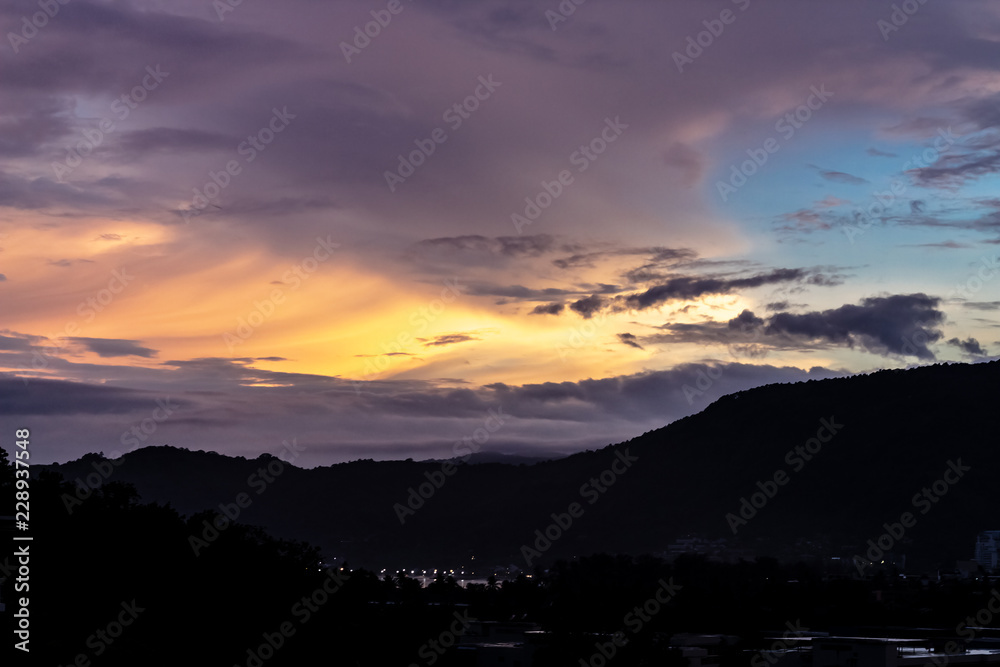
(877, 442)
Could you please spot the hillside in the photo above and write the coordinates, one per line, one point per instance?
(895, 433)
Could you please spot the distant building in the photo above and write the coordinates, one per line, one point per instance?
(987, 545)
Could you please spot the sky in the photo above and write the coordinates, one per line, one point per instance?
(378, 229)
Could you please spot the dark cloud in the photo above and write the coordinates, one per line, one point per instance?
(630, 340)
(508, 246)
(26, 129)
(57, 397)
(941, 245)
(689, 287)
(517, 291)
(66, 263)
(43, 192)
(951, 171)
(387, 354)
(982, 305)
(776, 305)
(253, 207)
(18, 342)
(969, 346)
(986, 212)
(114, 347)
(825, 280)
(588, 306)
(977, 152)
(745, 321)
(636, 396)
(603, 288)
(122, 40)
(145, 143)
(449, 339)
(805, 220)
(841, 177)
(547, 309)
(900, 324)
(984, 113)
(701, 333)
(877, 153)
(657, 256)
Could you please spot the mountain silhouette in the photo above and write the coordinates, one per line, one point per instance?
(833, 463)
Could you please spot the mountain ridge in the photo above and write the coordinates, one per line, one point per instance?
(896, 432)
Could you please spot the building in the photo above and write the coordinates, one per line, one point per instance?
(987, 544)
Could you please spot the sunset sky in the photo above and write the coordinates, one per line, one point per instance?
(225, 225)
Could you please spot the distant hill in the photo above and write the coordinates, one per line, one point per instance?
(900, 429)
